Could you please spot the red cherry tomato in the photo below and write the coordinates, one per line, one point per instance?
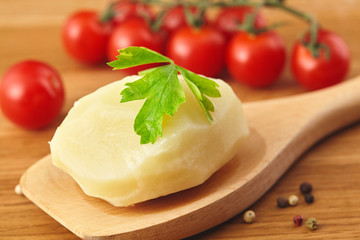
(31, 94)
(125, 10)
(315, 73)
(230, 17)
(85, 38)
(256, 61)
(175, 19)
(135, 32)
(199, 50)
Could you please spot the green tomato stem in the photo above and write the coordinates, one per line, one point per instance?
(313, 45)
(280, 5)
(108, 14)
(235, 3)
(156, 24)
(250, 18)
(195, 19)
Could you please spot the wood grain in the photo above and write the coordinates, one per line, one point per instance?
(31, 29)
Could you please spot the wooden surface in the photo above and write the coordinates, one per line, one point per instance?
(258, 164)
(31, 29)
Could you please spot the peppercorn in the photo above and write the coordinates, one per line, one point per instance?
(282, 202)
(249, 216)
(293, 200)
(305, 188)
(309, 198)
(298, 220)
(312, 223)
(18, 190)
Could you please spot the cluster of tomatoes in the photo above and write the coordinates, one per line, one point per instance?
(32, 94)
(206, 46)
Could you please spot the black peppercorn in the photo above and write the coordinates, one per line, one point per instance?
(282, 202)
(309, 198)
(305, 188)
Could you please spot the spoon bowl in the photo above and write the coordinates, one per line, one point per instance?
(280, 131)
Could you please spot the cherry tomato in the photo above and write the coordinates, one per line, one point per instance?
(230, 17)
(256, 61)
(125, 10)
(31, 94)
(85, 38)
(135, 32)
(198, 50)
(315, 73)
(175, 19)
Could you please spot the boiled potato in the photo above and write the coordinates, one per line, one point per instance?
(96, 145)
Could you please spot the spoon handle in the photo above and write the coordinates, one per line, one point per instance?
(331, 109)
(312, 115)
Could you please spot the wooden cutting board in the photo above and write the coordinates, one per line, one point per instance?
(280, 130)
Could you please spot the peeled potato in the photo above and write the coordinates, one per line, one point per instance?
(96, 144)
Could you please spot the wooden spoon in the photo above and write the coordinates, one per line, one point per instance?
(281, 130)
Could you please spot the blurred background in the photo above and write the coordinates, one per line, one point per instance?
(32, 29)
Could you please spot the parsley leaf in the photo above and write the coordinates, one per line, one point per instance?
(135, 56)
(201, 86)
(161, 88)
(163, 93)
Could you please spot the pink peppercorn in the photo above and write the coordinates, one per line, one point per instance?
(298, 220)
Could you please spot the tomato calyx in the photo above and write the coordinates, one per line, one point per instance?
(194, 14)
(315, 49)
(155, 24)
(197, 18)
(249, 25)
(311, 42)
(108, 13)
(249, 22)
(121, 10)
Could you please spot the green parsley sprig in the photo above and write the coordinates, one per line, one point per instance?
(161, 88)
